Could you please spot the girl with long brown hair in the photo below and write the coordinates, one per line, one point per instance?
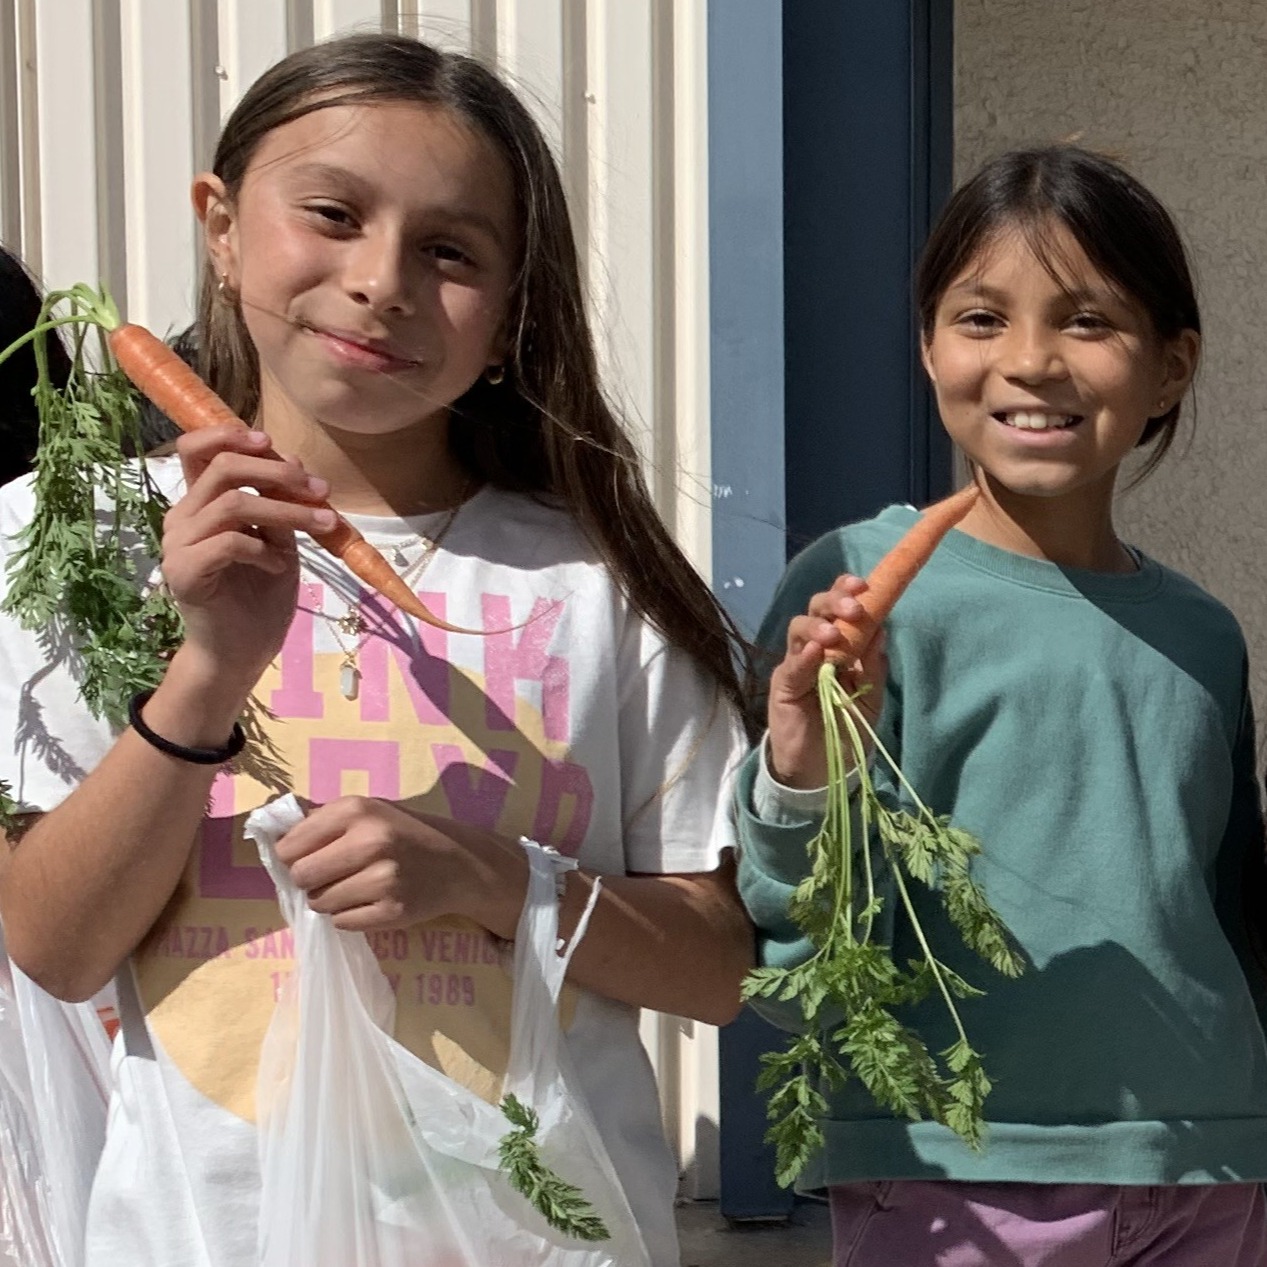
(391, 299)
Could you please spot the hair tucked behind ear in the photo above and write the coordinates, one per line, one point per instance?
(547, 428)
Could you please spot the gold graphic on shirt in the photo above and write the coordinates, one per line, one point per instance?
(209, 973)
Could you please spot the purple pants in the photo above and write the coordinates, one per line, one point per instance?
(944, 1224)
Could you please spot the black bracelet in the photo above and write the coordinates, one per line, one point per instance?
(199, 756)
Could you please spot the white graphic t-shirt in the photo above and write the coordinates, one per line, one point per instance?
(570, 721)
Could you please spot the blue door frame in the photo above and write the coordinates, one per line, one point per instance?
(829, 152)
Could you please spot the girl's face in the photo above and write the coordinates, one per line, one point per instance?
(372, 248)
(1045, 384)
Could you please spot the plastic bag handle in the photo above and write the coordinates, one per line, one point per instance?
(539, 922)
(541, 963)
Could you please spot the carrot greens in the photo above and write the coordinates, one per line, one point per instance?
(561, 1204)
(75, 576)
(851, 990)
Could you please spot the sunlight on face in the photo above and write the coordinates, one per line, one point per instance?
(373, 248)
(1048, 381)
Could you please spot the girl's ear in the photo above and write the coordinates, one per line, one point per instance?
(214, 210)
(1180, 362)
(926, 358)
(500, 349)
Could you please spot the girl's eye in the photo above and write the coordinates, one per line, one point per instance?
(979, 321)
(1089, 323)
(447, 253)
(331, 213)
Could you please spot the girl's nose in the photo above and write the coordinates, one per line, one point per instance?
(375, 274)
(1032, 354)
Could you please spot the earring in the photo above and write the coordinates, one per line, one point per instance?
(496, 374)
(223, 293)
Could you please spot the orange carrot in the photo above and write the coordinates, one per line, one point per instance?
(158, 372)
(890, 577)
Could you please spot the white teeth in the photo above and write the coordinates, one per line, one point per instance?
(1028, 421)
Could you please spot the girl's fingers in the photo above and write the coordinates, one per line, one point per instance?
(366, 919)
(797, 677)
(333, 863)
(339, 839)
(840, 602)
(213, 469)
(846, 584)
(183, 568)
(371, 886)
(237, 510)
(323, 825)
(197, 448)
(822, 629)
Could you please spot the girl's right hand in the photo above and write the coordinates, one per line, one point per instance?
(229, 555)
(797, 748)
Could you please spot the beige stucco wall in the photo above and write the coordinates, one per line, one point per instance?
(1178, 90)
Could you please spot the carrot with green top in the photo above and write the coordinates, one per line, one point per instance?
(76, 570)
(161, 375)
(850, 991)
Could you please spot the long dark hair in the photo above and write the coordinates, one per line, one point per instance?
(548, 427)
(19, 422)
(1125, 231)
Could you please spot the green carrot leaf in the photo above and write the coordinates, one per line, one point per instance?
(561, 1204)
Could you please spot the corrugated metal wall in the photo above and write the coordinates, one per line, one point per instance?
(109, 107)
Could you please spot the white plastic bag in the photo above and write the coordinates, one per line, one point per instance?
(371, 1158)
(24, 1241)
(54, 1088)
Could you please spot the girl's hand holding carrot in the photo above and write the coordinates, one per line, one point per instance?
(797, 750)
(229, 556)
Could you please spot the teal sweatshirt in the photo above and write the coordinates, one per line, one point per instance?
(1094, 731)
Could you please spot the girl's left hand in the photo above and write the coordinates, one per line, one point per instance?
(370, 864)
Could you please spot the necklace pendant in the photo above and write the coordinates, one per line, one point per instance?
(351, 624)
(349, 680)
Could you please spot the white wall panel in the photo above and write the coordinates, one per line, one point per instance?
(620, 213)
(108, 108)
(10, 130)
(530, 53)
(158, 157)
(253, 35)
(65, 88)
(334, 17)
(446, 23)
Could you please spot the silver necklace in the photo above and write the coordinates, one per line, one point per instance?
(353, 624)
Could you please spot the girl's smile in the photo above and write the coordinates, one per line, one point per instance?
(1028, 418)
(1039, 428)
(358, 351)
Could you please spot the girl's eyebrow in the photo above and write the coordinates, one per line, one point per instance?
(335, 175)
(317, 170)
(978, 290)
(1096, 298)
(1093, 296)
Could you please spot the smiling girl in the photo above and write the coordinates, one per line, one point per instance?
(392, 299)
(1084, 711)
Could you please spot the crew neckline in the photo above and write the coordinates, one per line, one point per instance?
(1042, 574)
(390, 529)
